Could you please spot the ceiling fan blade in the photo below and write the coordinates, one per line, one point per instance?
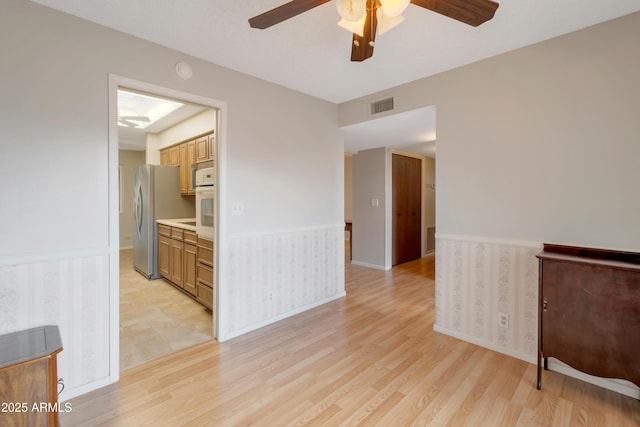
(362, 47)
(472, 12)
(284, 12)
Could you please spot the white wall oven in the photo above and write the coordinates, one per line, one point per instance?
(205, 198)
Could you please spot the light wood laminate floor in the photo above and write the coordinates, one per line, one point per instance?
(156, 319)
(371, 359)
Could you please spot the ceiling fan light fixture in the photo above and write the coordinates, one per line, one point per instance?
(354, 27)
(386, 22)
(352, 10)
(393, 8)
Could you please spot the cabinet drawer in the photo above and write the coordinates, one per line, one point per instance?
(177, 233)
(164, 230)
(190, 237)
(205, 296)
(205, 274)
(205, 256)
(205, 243)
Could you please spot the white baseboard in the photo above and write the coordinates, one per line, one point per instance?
(375, 266)
(486, 344)
(233, 334)
(85, 388)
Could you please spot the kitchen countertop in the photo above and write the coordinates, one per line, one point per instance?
(185, 223)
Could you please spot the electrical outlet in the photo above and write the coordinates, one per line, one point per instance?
(237, 208)
(270, 296)
(503, 320)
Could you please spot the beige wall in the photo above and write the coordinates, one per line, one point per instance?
(536, 145)
(372, 224)
(539, 143)
(55, 107)
(348, 187)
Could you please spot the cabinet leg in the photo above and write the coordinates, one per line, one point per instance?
(539, 383)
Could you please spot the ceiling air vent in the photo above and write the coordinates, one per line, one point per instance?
(382, 106)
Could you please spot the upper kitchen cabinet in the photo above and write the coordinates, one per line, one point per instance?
(186, 153)
(174, 156)
(202, 148)
(205, 148)
(187, 158)
(211, 146)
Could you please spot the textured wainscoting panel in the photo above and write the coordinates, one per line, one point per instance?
(274, 275)
(476, 280)
(72, 294)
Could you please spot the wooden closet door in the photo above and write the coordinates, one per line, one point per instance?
(407, 212)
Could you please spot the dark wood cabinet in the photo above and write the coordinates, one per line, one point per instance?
(589, 311)
(29, 377)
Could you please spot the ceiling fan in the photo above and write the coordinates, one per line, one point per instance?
(369, 15)
(129, 121)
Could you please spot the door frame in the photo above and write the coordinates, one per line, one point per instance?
(114, 82)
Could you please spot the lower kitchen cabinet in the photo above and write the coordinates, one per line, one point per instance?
(190, 260)
(186, 263)
(177, 252)
(205, 272)
(164, 254)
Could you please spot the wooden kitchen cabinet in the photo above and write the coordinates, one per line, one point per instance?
(202, 148)
(164, 255)
(212, 146)
(187, 158)
(174, 156)
(186, 153)
(190, 261)
(164, 157)
(29, 377)
(184, 185)
(205, 291)
(589, 311)
(178, 257)
(177, 252)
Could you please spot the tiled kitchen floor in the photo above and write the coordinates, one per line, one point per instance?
(155, 318)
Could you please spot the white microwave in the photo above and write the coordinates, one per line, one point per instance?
(205, 202)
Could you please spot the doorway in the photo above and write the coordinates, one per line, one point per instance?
(163, 299)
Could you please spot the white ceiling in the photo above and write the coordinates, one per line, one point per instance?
(130, 138)
(310, 53)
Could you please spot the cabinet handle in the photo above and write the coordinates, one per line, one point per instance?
(544, 304)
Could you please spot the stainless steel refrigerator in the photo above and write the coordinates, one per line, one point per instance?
(156, 195)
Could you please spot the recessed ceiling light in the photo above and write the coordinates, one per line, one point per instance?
(136, 110)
